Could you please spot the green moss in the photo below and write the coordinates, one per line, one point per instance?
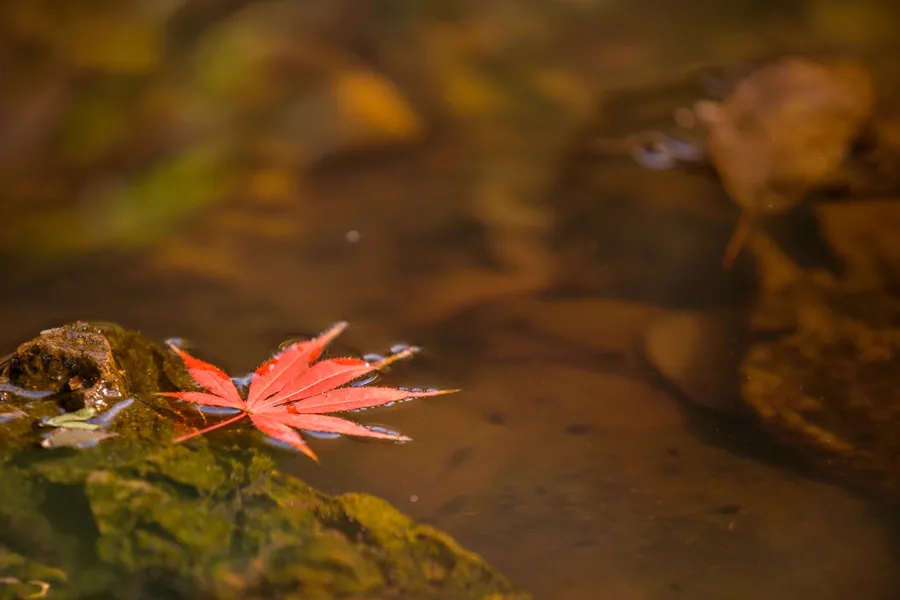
(198, 469)
(423, 557)
(22, 529)
(166, 530)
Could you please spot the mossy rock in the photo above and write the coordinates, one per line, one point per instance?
(94, 365)
(138, 517)
(90, 365)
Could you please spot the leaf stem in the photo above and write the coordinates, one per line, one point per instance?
(200, 432)
(405, 353)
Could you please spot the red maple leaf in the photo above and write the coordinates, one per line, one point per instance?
(291, 391)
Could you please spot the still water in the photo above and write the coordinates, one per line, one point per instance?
(577, 301)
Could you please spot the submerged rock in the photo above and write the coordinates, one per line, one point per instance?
(89, 366)
(822, 373)
(137, 517)
(817, 356)
(699, 353)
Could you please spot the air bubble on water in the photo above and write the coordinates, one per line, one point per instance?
(373, 357)
(401, 347)
(11, 416)
(106, 418)
(217, 410)
(322, 435)
(416, 390)
(18, 391)
(684, 150)
(365, 380)
(279, 444)
(385, 430)
(178, 342)
(242, 382)
(654, 157)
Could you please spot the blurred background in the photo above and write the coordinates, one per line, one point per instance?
(238, 172)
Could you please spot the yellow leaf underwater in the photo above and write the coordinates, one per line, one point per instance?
(374, 108)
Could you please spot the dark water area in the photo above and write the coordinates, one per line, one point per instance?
(448, 197)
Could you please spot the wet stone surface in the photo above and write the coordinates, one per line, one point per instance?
(89, 365)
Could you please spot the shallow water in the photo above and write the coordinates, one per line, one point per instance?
(530, 274)
(566, 461)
